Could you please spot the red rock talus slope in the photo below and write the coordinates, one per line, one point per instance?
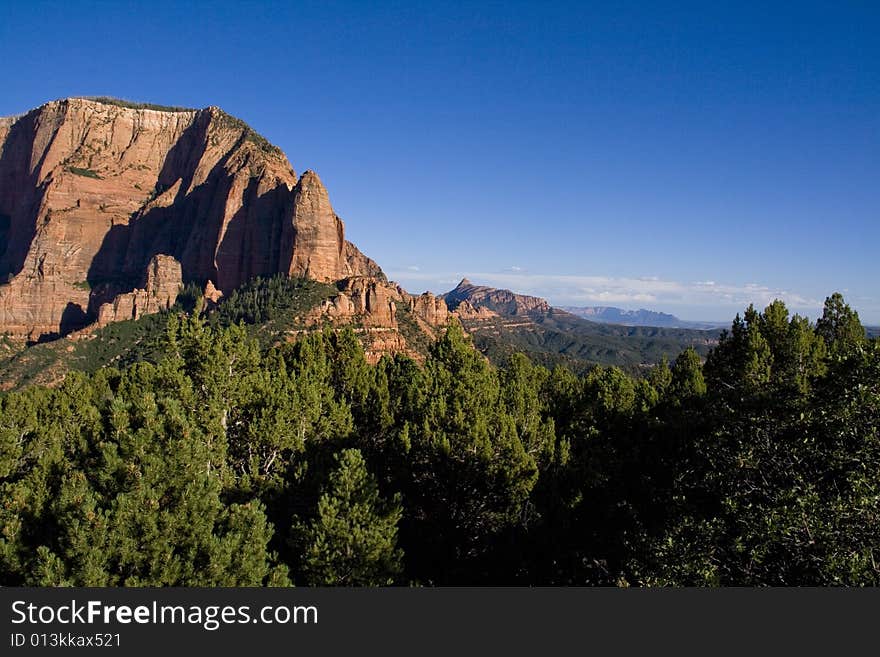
(103, 203)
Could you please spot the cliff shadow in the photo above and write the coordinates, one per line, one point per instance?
(20, 195)
(189, 229)
(119, 266)
(73, 319)
(251, 246)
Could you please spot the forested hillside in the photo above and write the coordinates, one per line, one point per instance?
(560, 338)
(227, 462)
(275, 308)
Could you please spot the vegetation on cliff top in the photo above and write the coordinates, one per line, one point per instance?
(227, 120)
(85, 173)
(248, 133)
(271, 299)
(119, 102)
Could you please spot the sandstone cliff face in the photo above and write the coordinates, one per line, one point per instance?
(91, 192)
(478, 301)
(372, 304)
(374, 300)
(430, 309)
(466, 310)
(163, 282)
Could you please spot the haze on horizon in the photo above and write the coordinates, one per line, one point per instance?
(689, 160)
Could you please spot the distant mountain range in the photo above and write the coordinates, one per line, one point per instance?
(502, 322)
(641, 317)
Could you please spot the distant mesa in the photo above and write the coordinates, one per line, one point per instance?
(641, 317)
(475, 301)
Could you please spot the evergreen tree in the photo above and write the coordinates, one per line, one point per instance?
(222, 462)
(839, 325)
(687, 376)
(352, 540)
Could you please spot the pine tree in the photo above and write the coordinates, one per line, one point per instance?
(352, 540)
(687, 376)
(839, 325)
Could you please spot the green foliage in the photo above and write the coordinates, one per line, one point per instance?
(207, 457)
(767, 351)
(469, 472)
(352, 540)
(127, 491)
(121, 344)
(264, 300)
(839, 325)
(660, 376)
(118, 102)
(775, 485)
(563, 339)
(687, 376)
(190, 299)
(85, 173)
(415, 337)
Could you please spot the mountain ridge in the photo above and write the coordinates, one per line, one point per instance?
(502, 322)
(640, 317)
(470, 299)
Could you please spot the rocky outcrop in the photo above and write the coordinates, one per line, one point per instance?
(211, 293)
(92, 190)
(163, 282)
(373, 299)
(313, 222)
(315, 237)
(370, 300)
(356, 263)
(374, 302)
(374, 307)
(430, 309)
(466, 310)
(471, 300)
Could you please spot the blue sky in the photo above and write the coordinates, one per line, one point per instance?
(689, 159)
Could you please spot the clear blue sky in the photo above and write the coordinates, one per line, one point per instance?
(687, 159)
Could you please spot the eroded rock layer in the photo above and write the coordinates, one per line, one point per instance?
(163, 282)
(373, 306)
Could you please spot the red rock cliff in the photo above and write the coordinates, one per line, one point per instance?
(91, 192)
